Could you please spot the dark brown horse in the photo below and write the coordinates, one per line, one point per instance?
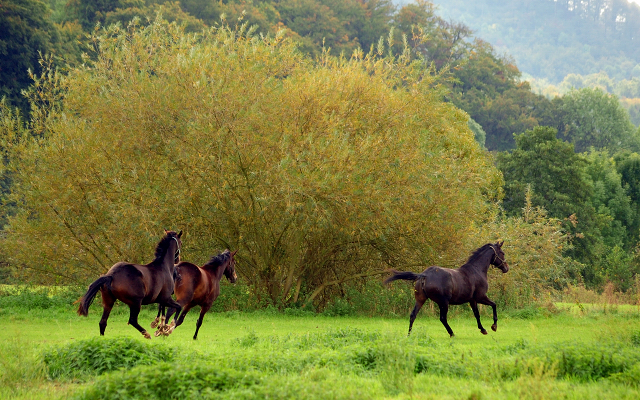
(467, 284)
(136, 285)
(199, 286)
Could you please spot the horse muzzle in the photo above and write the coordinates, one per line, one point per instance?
(504, 267)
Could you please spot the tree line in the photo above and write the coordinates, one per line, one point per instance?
(323, 151)
(554, 38)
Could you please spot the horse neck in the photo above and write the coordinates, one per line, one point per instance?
(170, 256)
(481, 263)
(216, 272)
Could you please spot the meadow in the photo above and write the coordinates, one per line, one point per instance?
(558, 351)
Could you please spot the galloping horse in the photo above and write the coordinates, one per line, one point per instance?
(136, 285)
(467, 284)
(198, 286)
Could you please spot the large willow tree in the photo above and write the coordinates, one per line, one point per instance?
(318, 172)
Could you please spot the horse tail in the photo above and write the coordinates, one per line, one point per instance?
(88, 297)
(406, 276)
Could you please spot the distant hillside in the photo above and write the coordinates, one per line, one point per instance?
(554, 38)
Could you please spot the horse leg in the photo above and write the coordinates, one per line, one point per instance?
(107, 304)
(180, 319)
(134, 310)
(203, 311)
(414, 313)
(167, 329)
(444, 309)
(171, 312)
(474, 307)
(158, 322)
(488, 302)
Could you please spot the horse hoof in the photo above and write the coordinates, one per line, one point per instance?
(146, 335)
(494, 327)
(158, 333)
(154, 324)
(484, 332)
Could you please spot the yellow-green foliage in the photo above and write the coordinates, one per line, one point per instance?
(314, 171)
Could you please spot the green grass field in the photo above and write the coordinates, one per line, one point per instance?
(576, 352)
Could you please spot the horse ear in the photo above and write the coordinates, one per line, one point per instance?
(165, 231)
(500, 243)
(234, 253)
(179, 233)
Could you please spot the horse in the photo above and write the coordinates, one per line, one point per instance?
(135, 284)
(467, 284)
(198, 286)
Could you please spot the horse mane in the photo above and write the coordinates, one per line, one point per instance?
(163, 245)
(218, 260)
(476, 254)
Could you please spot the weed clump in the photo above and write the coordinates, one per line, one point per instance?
(588, 363)
(630, 376)
(529, 312)
(99, 355)
(591, 363)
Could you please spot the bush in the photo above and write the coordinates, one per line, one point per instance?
(339, 307)
(165, 380)
(318, 172)
(41, 298)
(99, 355)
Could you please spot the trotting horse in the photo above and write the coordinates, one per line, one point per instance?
(467, 284)
(136, 285)
(198, 286)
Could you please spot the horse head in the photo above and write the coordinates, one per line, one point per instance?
(230, 269)
(498, 257)
(176, 237)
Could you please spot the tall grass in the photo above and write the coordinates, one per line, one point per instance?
(21, 367)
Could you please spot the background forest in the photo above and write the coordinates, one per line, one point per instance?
(562, 44)
(327, 140)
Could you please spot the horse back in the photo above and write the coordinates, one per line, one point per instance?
(128, 281)
(447, 284)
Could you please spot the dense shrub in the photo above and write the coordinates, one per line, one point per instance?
(320, 173)
(99, 355)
